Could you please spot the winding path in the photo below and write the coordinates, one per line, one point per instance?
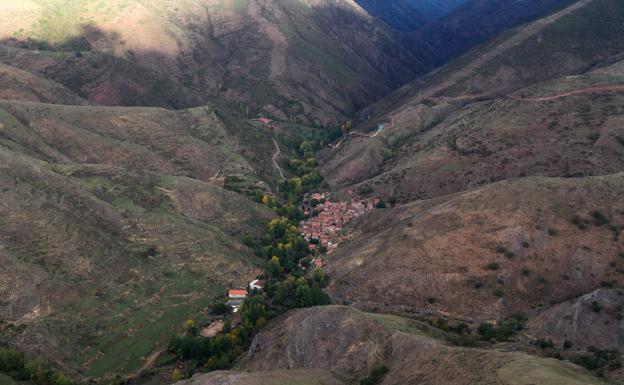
(355, 133)
(588, 90)
(149, 362)
(278, 152)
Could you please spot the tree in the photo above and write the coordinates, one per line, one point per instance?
(38, 371)
(392, 200)
(177, 376)
(11, 360)
(59, 379)
(190, 328)
(274, 268)
(320, 277)
(220, 308)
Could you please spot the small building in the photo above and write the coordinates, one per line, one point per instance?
(237, 294)
(256, 284)
(236, 298)
(317, 196)
(263, 120)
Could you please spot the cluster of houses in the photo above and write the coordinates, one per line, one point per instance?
(325, 228)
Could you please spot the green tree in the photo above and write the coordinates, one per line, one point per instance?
(274, 269)
(320, 277)
(177, 375)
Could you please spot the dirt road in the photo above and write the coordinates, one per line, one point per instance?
(278, 152)
(355, 133)
(589, 90)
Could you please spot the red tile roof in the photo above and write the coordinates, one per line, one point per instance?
(237, 293)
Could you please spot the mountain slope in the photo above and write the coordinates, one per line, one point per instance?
(304, 59)
(409, 15)
(455, 119)
(108, 244)
(473, 22)
(17, 84)
(483, 254)
(350, 343)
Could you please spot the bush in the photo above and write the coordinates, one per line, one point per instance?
(600, 219)
(578, 222)
(365, 190)
(596, 307)
(544, 344)
(600, 359)
(552, 232)
(567, 345)
(11, 360)
(220, 308)
(375, 376)
(467, 340)
(492, 266)
(504, 330)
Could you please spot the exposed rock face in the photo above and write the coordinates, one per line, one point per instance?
(350, 343)
(592, 320)
(274, 377)
(322, 338)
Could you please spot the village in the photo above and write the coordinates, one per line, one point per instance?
(325, 227)
(326, 224)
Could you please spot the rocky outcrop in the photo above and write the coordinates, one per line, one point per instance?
(593, 320)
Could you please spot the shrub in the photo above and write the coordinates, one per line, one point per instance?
(526, 272)
(467, 340)
(578, 222)
(567, 345)
(10, 360)
(596, 307)
(544, 344)
(600, 359)
(600, 219)
(375, 376)
(552, 232)
(492, 266)
(504, 330)
(220, 308)
(365, 190)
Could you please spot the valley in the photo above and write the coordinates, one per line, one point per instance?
(212, 192)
